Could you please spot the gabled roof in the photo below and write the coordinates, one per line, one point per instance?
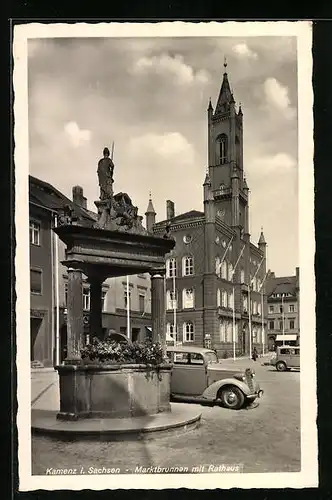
(193, 214)
(46, 195)
(286, 284)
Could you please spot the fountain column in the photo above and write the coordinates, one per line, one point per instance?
(75, 315)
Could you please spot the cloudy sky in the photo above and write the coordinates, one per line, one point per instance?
(149, 96)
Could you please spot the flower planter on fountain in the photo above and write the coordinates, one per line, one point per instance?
(110, 384)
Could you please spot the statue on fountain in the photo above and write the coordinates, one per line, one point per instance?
(105, 175)
(115, 212)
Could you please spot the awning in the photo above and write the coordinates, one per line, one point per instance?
(286, 338)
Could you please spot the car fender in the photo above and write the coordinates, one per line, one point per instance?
(212, 391)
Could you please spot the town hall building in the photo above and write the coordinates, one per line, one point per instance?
(215, 276)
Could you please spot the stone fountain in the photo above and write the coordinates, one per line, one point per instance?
(117, 244)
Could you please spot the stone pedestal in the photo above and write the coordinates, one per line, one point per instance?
(158, 306)
(95, 307)
(75, 315)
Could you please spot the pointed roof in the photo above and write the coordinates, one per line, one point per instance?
(210, 105)
(150, 209)
(261, 240)
(225, 94)
(245, 185)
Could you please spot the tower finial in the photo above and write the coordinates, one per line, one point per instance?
(150, 195)
(225, 63)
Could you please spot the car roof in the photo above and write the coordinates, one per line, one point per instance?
(191, 348)
(288, 347)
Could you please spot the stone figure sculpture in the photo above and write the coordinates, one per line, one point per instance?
(105, 175)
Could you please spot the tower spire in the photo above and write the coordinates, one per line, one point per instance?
(225, 95)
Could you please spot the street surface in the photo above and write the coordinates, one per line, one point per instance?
(262, 439)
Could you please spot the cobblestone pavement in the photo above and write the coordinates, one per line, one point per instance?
(262, 439)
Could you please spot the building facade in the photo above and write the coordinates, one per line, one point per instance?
(215, 289)
(48, 281)
(283, 300)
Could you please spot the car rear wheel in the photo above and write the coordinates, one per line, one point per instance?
(281, 366)
(232, 397)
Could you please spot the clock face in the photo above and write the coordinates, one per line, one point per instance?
(221, 213)
(187, 238)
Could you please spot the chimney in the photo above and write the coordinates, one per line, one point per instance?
(78, 197)
(170, 210)
(297, 277)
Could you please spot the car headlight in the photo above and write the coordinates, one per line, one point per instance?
(240, 377)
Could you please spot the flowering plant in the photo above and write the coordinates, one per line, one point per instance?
(110, 352)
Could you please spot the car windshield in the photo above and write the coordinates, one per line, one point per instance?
(211, 357)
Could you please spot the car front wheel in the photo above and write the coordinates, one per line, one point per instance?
(232, 397)
(281, 367)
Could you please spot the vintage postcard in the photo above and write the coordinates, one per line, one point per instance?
(164, 222)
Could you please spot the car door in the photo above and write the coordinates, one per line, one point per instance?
(188, 376)
(295, 358)
(198, 373)
(180, 375)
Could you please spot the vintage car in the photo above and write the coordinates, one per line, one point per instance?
(198, 376)
(287, 358)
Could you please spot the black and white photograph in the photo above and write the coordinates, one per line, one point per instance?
(165, 255)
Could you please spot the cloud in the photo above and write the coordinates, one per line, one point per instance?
(167, 146)
(277, 96)
(280, 162)
(174, 67)
(242, 50)
(76, 135)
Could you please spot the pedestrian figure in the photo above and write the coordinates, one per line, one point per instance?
(254, 354)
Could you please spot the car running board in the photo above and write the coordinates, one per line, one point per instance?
(191, 399)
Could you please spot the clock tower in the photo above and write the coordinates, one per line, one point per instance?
(225, 158)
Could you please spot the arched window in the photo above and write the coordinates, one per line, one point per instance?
(245, 303)
(171, 299)
(259, 283)
(218, 298)
(218, 266)
(224, 270)
(224, 298)
(230, 272)
(259, 334)
(170, 268)
(188, 332)
(222, 149)
(229, 334)
(187, 266)
(231, 300)
(171, 331)
(187, 298)
(242, 275)
(259, 308)
(222, 330)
